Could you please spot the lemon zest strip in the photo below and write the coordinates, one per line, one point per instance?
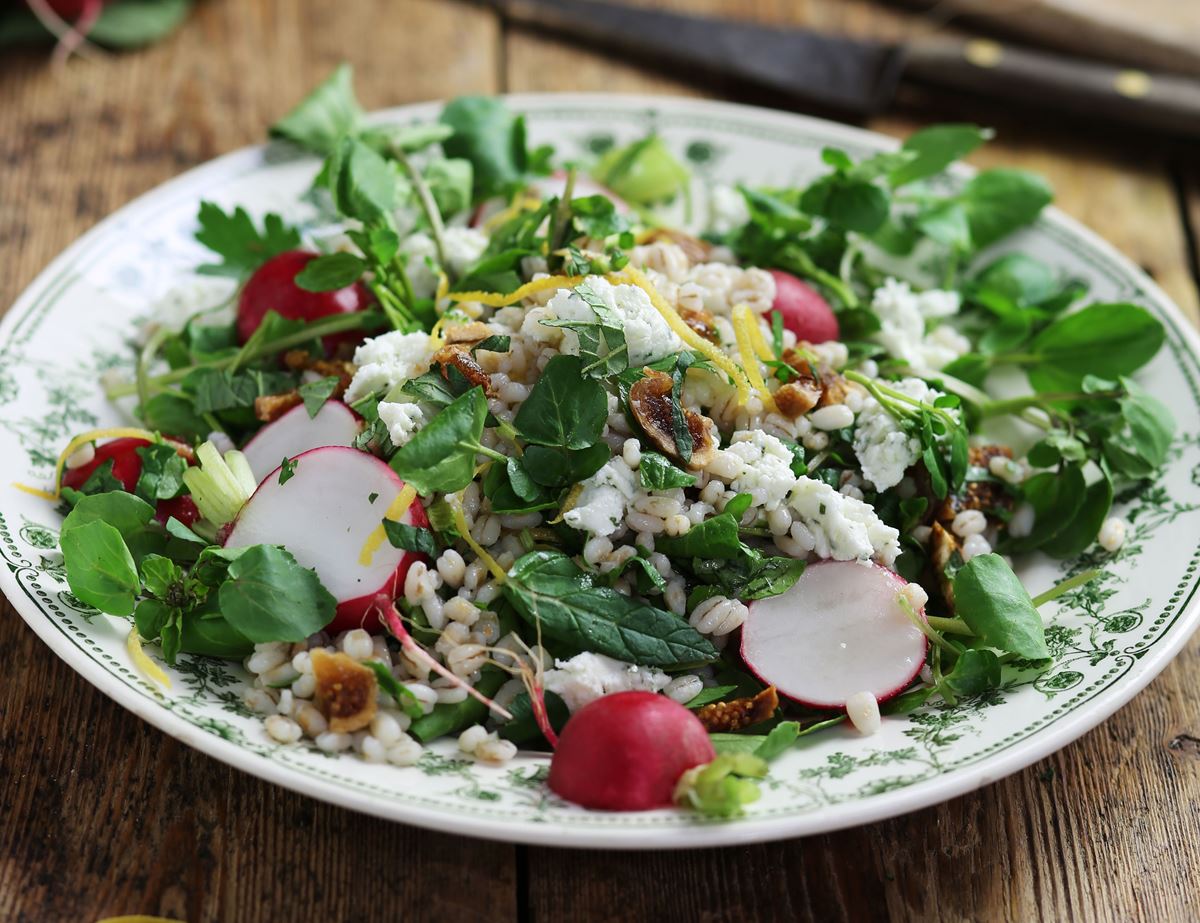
(761, 347)
(152, 670)
(460, 523)
(395, 513)
(118, 432)
(744, 325)
(689, 336)
(35, 491)
(498, 300)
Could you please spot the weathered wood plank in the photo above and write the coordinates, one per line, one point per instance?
(103, 814)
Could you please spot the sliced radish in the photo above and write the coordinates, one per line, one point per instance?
(296, 432)
(324, 514)
(838, 631)
(804, 311)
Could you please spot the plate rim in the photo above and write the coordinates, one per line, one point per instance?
(939, 788)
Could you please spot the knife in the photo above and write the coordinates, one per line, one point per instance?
(860, 77)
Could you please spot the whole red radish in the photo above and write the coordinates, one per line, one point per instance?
(127, 468)
(839, 630)
(272, 287)
(327, 514)
(626, 751)
(804, 311)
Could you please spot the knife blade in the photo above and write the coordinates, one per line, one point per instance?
(859, 77)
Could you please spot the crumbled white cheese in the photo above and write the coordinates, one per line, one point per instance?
(903, 314)
(727, 209)
(403, 419)
(767, 474)
(586, 677)
(840, 527)
(646, 333)
(464, 247)
(387, 361)
(883, 449)
(600, 506)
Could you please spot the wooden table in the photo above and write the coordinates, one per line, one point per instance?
(100, 814)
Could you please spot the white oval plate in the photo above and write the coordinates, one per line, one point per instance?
(77, 320)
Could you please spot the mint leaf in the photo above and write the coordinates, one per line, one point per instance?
(411, 538)
(657, 473)
(563, 409)
(316, 393)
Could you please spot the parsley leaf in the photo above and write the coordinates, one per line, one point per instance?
(241, 246)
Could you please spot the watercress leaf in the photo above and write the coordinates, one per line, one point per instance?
(441, 456)
(267, 596)
(101, 481)
(132, 517)
(779, 739)
(330, 272)
(411, 538)
(218, 390)
(209, 634)
(563, 409)
(495, 272)
(316, 393)
(946, 222)
(240, 245)
(324, 116)
(1151, 425)
(597, 217)
(1081, 531)
(975, 672)
(160, 575)
(523, 728)
(151, 616)
(491, 137)
(408, 138)
(991, 600)
(161, 477)
(1107, 340)
(450, 180)
(853, 205)
(134, 23)
(100, 569)
(498, 488)
(1018, 277)
(657, 473)
(365, 185)
(400, 693)
(178, 530)
(556, 468)
(548, 589)
(174, 414)
(1056, 498)
(430, 387)
(1001, 201)
(936, 148)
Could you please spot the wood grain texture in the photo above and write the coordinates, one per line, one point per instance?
(104, 815)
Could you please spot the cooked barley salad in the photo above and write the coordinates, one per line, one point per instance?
(592, 459)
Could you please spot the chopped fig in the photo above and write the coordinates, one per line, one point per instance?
(467, 333)
(839, 630)
(458, 356)
(696, 250)
(651, 404)
(739, 713)
(300, 360)
(945, 553)
(986, 496)
(796, 398)
(701, 322)
(270, 407)
(345, 692)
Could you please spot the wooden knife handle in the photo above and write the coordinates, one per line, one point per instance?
(1164, 103)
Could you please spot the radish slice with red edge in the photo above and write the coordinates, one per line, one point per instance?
(838, 631)
(324, 514)
(296, 432)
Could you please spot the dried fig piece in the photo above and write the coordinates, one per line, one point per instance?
(458, 356)
(739, 713)
(797, 397)
(345, 692)
(833, 386)
(701, 322)
(945, 552)
(651, 405)
(986, 496)
(270, 407)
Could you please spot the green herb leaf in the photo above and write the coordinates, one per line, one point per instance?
(100, 569)
(330, 272)
(400, 693)
(488, 135)
(287, 469)
(657, 473)
(241, 246)
(523, 728)
(563, 409)
(1001, 201)
(548, 589)
(316, 393)
(411, 538)
(991, 600)
(441, 456)
(267, 596)
(1105, 340)
(161, 477)
(975, 672)
(710, 695)
(936, 148)
(324, 116)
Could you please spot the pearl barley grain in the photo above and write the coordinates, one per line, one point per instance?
(968, 522)
(282, 729)
(1112, 534)
(863, 710)
(835, 416)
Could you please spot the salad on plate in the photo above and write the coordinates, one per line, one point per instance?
(589, 458)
